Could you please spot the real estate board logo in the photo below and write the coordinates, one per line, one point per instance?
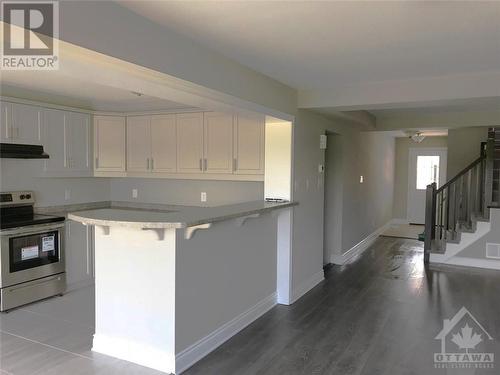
(464, 344)
(30, 35)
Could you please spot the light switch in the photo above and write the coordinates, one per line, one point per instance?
(361, 179)
(134, 193)
(322, 141)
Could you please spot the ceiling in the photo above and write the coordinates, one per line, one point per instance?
(315, 45)
(53, 87)
(468, 105)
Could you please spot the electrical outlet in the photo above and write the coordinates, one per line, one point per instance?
(203, 196)
(67, 194)
(134, 193)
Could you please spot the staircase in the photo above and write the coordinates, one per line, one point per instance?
(457, 206)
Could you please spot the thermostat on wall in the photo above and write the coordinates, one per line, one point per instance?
(322, 141)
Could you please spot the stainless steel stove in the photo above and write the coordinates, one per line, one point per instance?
(31, 253)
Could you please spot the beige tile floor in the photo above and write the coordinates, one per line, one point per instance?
(410, 231)
(54, 337)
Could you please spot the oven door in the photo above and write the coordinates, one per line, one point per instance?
(31, 252)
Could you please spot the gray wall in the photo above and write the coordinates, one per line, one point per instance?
(403, 146)
(334, 188)
(185, 192)
(464, 147)
(18, 174)
(354, 210)
(366, 206)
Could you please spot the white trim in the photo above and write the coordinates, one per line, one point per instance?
(360, 247)
(131, 351)
(207, 344)
(466, 262)
(307, 285)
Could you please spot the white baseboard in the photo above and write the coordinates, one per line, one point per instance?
(307, 285)
(135, 352)
(358, 249)
(466, 262)
(201, 348)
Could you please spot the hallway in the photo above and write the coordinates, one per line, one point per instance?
(377, 315)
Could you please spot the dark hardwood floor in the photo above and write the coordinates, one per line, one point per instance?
(377, 315)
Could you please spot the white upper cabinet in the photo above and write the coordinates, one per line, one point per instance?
(5, 122)
(78, 140)
(218, 142)
(163, 144)
(20, 123)
(109, 143)
(54, 140)
(189, 142)
(249, 145)
(138, 143)
(66, 138)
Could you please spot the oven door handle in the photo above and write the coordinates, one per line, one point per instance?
(20, 231)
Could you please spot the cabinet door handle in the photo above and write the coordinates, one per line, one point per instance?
(96, 163)
(201, 164)
(152, 164)
(205, 167)
(147, 164)
(235, 164)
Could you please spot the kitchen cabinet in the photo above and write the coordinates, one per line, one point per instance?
(109, 143)
(54, 141)
(20, 123)
(151, 144)
(218, 143)
(79, 253)
(163, 143)
(249, 145)
(78, 137)
(66, 138)
(189, 142)
(138, 143)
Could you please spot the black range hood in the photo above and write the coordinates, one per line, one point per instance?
(19, 151)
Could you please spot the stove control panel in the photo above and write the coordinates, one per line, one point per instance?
(14, 198)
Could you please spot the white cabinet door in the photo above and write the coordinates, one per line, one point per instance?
(78, 141)
(54, 140)
(138, 143)
(26, 123)
(249, 144)
(218, 142)
(78, 250)
(109, 143)
(189, 142)
(163, 144)
(6, 122)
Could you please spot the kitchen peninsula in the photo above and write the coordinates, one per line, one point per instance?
(174, 283)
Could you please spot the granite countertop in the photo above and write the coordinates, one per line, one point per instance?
(165, 216)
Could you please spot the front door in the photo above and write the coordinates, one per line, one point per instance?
(426, 165)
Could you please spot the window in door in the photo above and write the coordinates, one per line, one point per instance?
(427, 171)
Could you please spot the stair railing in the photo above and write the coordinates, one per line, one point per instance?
(456, 205)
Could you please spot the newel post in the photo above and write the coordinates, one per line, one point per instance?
(430, 219)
